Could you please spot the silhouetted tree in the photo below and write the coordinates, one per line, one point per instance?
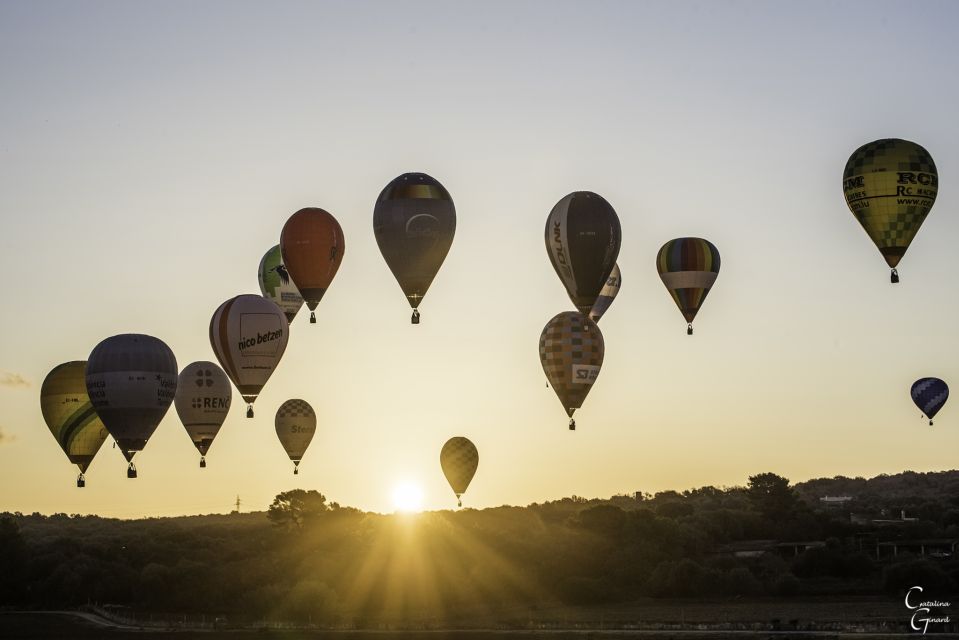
(296, 508)
(674, 509)
(603, 519)
(771, 495)
(13, 560)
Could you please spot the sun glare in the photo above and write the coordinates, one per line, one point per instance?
(407, 497)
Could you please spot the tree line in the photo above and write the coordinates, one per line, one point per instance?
(309, 559)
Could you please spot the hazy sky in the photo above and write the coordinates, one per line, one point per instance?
(151, 152)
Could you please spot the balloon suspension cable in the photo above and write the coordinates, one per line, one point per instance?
(415, 318)
(202, 462)
(249, 411)
(572, 425)
(894, 276)
(81, 481)
(689, 329)
(131, 471)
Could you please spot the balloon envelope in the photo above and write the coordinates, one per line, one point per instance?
(276, 284)
(688, 267)
(312, 247)
(607, 294)
(131, 380)
(890, 185)
(295, 425)
(459, 460)
(203, 395)
(929, 394)
(249, 335)
(414, 221)
(582, 239)
(571, 351)
(70, 415)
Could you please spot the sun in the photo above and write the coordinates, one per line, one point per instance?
(407, 497)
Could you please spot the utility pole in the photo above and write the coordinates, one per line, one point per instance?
(237, 504)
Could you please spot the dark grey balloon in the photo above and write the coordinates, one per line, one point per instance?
(131, 380)
(414, 221)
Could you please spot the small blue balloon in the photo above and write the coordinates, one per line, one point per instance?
(930, 394)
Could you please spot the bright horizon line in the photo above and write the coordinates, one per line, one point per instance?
(408, 513)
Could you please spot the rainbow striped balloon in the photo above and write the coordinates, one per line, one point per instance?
(688, 267)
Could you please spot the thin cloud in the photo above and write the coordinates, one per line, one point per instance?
(8, 379)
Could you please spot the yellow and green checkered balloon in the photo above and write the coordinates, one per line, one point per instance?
(890, 185)
(459, 459)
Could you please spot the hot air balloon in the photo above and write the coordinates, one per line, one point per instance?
(312, 247)
(414, 221)
(582, 239)
(459, 460)
(890, 185)
(607, 294)
(688, 267)
(131, 380)
(275, 284)
(571, 351)
(203, 395)
(295, 426)
(249, 334)
(70, 416)
(930, 394)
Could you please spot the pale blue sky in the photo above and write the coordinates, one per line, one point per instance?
(150, 153)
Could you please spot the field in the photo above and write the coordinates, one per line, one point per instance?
(864, 617)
